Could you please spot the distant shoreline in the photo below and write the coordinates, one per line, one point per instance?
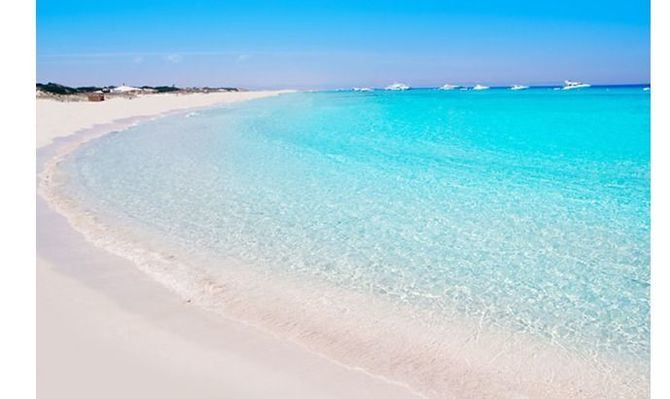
(66, 93)
(60, 117)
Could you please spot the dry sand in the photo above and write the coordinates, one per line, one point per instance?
(62, 118)
(105, 330)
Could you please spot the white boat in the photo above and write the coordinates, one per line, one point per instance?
(362, 89)
(480, 87)
(518, 87)
(397, 86)
(571, 85)
(449, 87)
(646, 89)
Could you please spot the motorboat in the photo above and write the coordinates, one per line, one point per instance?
(480, 87)
(397, 86)
(449, 87)
(571, 85)
(518, 87)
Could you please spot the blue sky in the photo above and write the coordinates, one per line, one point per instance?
(312, 44)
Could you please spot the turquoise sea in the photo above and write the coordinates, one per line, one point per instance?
(525, 210)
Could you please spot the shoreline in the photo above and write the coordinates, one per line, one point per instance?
(100, 316)
(60, 119)
(126, 335)
(476, 376)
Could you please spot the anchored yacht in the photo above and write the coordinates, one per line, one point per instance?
(397, 86)
(362, 89)
(518, 87)
(480, 87)
(570, 85)
(449, 87)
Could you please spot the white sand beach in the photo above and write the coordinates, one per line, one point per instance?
(62, 118)
(106, 330)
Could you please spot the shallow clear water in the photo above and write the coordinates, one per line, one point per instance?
(527, 209)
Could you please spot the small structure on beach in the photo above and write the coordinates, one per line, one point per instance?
(126, 89)
(96, 97)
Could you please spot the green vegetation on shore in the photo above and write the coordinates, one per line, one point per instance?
(59, 89)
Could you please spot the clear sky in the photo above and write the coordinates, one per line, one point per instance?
(345, 43)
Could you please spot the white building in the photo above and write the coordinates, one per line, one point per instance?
(125, 89)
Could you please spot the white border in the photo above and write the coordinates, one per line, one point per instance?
(660, 200)
(17, 213)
